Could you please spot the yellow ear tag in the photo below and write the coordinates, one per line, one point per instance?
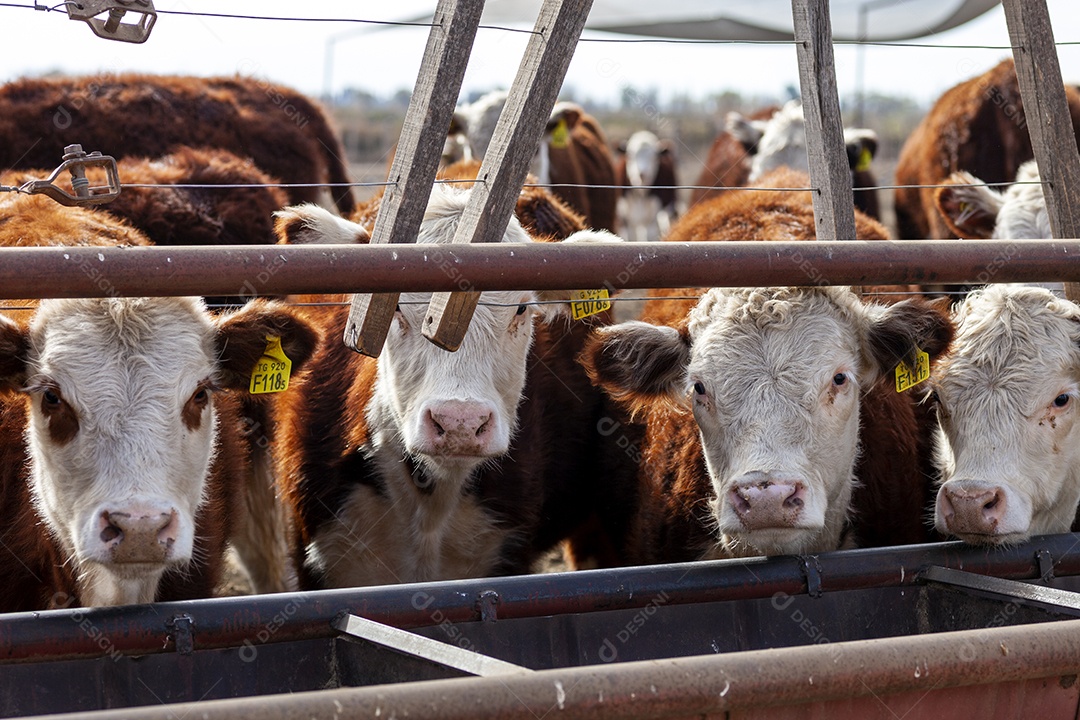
(907, 377)
(560, 136)
(864, 160)
(584, 303)
(271, 373)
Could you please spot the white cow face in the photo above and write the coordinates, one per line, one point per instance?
(782, 142)
(774, 377)
(122, 425)
(1009, 443)
(449, 410)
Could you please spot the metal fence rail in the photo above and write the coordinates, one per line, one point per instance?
(279, 270)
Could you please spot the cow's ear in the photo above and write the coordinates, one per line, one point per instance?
(546, 217)
(242, 338)
(310, 224)
(968, 208)
(639, 364)
(14, 348)
(898, 332)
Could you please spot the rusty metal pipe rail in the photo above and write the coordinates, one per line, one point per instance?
(685, 687)
(232, 622)
(279, 270)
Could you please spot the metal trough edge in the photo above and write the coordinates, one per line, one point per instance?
(233, 622)
(683, 687)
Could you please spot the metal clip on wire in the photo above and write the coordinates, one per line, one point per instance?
(76, 161)
(111, 28)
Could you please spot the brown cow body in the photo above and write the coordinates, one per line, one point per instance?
(286, 134)
(979, 127)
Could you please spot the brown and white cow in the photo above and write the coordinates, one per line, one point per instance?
(778, 140)
(286, 134)
(121, 431)
(646, 173)
(1006, 397)
(782, 368)
(973, 210)
(777, 380)
(979, 127)
(573, 156)
(424, 464)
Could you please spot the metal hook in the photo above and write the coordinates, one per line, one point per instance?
(111, 27)
(76, 161)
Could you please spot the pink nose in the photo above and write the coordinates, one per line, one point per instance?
(456, 427)
(763, 501)
(138, 535)
(975, 511)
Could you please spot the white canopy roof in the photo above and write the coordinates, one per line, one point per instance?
(756, 19)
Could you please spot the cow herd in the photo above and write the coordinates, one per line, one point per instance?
(139, 441)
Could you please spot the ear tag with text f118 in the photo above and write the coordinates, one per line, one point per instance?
(584, 303)
(907, 377)
(271, 373)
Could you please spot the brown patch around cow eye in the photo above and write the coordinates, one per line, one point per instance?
(194, 408)
(60, 417)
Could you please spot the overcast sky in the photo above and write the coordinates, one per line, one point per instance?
(309, 55)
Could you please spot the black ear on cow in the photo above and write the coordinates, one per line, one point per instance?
(638, 363)
(970, 210)
(14, 347)
(242, 339)
(901, 330)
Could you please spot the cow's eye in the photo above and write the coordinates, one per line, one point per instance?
(522, 308)
(839, 379)
(699, 388)
(1061, 400)
(201, 395)
(50, 399)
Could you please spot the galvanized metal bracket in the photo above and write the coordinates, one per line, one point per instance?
(1064, 602)
(181, 628)
(76, 162)
(112, 27)
(419, 646)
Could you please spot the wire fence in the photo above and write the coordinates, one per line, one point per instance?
(630, 41)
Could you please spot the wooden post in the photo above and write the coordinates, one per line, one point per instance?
(516, 138)
(830, 175)
(417, 158)
(1046, 111)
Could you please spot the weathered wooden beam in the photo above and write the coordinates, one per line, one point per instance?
(1046, 111)
(417, 157)
(516, 138)
(830, 175)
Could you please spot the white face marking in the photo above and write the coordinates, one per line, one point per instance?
(452, 410)
(775, 380)
(121, 435)
(1009, 443)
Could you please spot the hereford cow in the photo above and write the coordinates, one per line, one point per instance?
(1006, 398)
(427, 465)
(779, 140)
(120, 425)
(286, 134)
(646, 174)
(979, 127)
(776, 379)
(747, 350)
(973, 210)
(573, 156)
